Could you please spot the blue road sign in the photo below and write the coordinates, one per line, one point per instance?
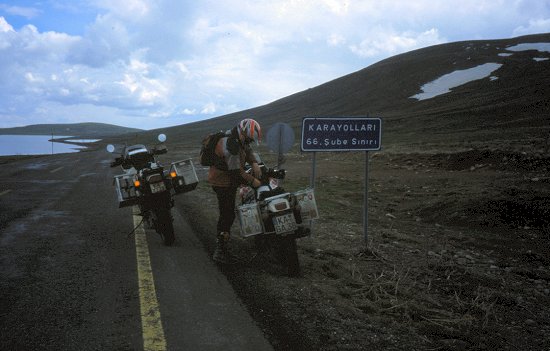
(341, 134)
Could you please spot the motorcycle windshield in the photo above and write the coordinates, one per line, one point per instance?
(137, 151)
(138, 156)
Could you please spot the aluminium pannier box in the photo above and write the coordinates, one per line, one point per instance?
(250, 219)
(126, 191)
(186, 176)
(308, 207)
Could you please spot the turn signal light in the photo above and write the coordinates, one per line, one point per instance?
(137, 183)
(173, 174)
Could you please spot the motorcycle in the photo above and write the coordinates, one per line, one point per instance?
(147, 184)
(276, 218)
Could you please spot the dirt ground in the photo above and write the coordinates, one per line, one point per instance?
(457, 256)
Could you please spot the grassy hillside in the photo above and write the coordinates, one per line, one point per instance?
(512, 110)
(89, 130)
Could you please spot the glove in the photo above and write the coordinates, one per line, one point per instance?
(256, 170)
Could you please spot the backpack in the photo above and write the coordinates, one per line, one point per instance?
(208, 156)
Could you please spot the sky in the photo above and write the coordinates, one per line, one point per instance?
(155, 63)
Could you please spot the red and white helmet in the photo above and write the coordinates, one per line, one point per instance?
(251, 130)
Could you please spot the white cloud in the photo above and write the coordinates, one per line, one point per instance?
(5, 26)
(336, 40)
(209, 108)
(32, 79)
(106, 40)
(382, 42)
(534, 26)
(6, 32)
(187, 111)
(27, 12)
(127, 9)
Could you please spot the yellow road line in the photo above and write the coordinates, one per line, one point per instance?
(57, 169)
(5, 192)
(151, 324)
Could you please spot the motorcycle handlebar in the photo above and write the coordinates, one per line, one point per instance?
(116, 162)
(275, 173)
(268, 172)
(160, 150)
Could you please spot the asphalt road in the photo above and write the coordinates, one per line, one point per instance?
(69, 269)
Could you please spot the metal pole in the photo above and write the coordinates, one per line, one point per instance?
(313, 167)
(312, 181)
(52, 141)
(366, 199)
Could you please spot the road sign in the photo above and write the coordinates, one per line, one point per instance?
(280, 138)
(341, 134)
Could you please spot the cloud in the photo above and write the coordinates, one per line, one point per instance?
(382, 42)
(187, 111)
(128, 9)
(534, 27)
(209, 108)
(27, 12)
(105, 41)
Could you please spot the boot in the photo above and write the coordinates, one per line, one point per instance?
(220, 253)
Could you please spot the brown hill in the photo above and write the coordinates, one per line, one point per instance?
(88, 130)
(512, 110)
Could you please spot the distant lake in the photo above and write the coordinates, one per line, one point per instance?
(34, 145)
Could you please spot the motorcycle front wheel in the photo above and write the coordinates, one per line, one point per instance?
(165, 226)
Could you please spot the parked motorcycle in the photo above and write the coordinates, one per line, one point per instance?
(151, 186)
(276, 218)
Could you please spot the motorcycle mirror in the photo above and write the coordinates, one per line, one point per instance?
(110, 148)
(162, 138)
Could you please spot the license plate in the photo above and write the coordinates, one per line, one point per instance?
(158, 187)
(285, 223)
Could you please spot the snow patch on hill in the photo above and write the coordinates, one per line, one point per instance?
(445, 83)
(530, 46)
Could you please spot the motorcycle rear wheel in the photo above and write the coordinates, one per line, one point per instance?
(283, 249)
(164, 225)
(292, 261)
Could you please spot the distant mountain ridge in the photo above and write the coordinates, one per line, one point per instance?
(77, 129)
(511, 108)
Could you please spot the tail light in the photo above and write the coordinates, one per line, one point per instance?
(278, 204)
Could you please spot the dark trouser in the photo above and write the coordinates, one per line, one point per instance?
(226, 205)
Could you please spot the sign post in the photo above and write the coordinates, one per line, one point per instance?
(343, 134)
(366, 199)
